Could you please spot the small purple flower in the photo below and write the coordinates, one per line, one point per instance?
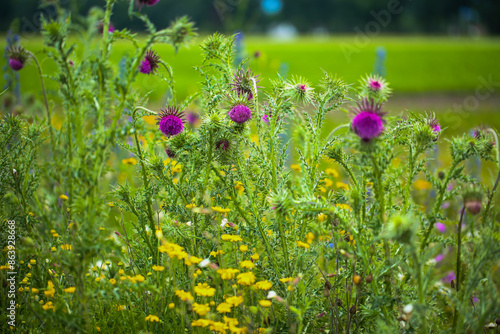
(475, 300)
(448, 278)
(192, 117)
(368, 122)
(445, 205)
(170, 120)
(240, 113)
(441, 227)
(150, 63)
(256, 54)
(439, 258)
(111, 28)
(265, 118)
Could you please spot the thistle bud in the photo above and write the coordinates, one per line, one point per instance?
(352, 310)
(452, 283)
(17, 57)
(498, 321)
(339, 302)
(369, 278)
(472, 201)
(441, 175)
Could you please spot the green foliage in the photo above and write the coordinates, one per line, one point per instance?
(187, 226)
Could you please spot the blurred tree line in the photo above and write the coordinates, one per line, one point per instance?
(307, 16)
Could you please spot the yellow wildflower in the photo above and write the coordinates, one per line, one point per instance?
(239, 187)
(129, 161)
(342, 185)
(243, 248)
(246, 278)
(158, 268)
(218, 327)
(220, 210)
(422, 185)
(152, 318)
(255, 257)
(224, 308)
(332, 172)
(303, 244)
(112, 281)
(34, 290)
(70, 290)
(231, 238)
(264, 285)
(247, 264)
(64, 197)
(204, 290)
(327, 182)
(66, 247)
(201, 309)
(296, 167)
(201, 323)
(190, 206)
(322, 217)
(343, 206)
(265, 303)
(227, 273)
(235, 300)
(286, 279)
(171, 306)
(183, 295)
(49, 306)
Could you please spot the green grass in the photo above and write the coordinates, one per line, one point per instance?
(414, 64)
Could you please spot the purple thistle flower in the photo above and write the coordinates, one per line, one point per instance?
(170, 120)
(141, 3)
(368, 122)
(150, 63)
(240, 113)
(17, 57)
(475, 300)
(441, 227)
(375, 84)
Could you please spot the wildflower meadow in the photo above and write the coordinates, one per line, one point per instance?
(236, 209)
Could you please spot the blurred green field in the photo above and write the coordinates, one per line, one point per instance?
(414, 64)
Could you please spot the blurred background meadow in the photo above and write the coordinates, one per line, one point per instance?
(440, 57)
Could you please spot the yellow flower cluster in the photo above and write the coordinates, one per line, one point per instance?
(303, 244)
(50, 289)
(264, 285)
(66, 247)
(348, 237)
(192, 259)
(158, 268)
(212, 253)
(343, 206)
(310, 238)
(173, 250)
(231, 238)
(152, 318)
(220, 210)
(49, 306)
(286, 279)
